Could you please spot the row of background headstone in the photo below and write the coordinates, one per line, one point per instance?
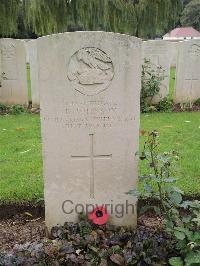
(13, 78)
(184, 56)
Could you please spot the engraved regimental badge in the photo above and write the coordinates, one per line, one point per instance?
(90, 71)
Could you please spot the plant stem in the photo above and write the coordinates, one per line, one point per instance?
(152, 146)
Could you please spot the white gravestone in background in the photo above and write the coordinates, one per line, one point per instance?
(13, 88)
(0, 71)
(27, 49)
(33, 61)
(89, 97)
(159, 53)
(174, 53)
(187, 88)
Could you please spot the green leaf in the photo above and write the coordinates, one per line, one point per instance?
(178, 190)
(186, 219)
(196, 236)
(94, 249)
(148, 188)
(169, 225)
(176, 261)
(157, 210)
(184, 230)
(176, 197)
(197, 218)
(192, 258)
(185, 204)
(193, 204)
(181, 245)
(179, 235)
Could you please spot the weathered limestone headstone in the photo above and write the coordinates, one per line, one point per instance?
(89, 98)
(13, 78)
(33, 61)
(187, 88)
(174, 53)
(0, 72)
(159, 53)
(26, 41)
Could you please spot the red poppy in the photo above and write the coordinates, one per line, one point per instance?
(98, 216)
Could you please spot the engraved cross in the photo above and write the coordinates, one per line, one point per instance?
(92, 157)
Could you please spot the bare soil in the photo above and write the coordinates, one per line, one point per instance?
(177, 108)
(26, 224)
(19, 230)
(20, 224)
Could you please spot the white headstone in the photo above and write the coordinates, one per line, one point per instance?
(13, 77)
(187, 88)
(174, 53)
(159, 53)
(89, 97)
(27, 49)
(33, 61)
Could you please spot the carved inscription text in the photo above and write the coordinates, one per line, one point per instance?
(91, 115)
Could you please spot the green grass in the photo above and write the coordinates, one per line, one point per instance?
(21, 176)
(180, 132)
(20, 158)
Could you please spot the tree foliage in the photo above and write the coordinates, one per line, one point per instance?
(142, 18)
(191, 15)
(9, 12)
(185, 2)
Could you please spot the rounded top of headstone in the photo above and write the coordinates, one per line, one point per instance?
(90, 33)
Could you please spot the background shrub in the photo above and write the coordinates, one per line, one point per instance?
(151, 79)
(165, 105)
(17, 109)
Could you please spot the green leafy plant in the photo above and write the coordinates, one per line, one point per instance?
(152, 77)
(84, 243)
(182, 218)
(197, 102)
(3, 108)
(186, 232)
(12, 109)
(17, 109)
(165, 105)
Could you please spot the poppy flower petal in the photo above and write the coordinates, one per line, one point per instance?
(98, 216)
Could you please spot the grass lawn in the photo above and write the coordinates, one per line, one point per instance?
(20, 158)
(180, 132)
(21, 176)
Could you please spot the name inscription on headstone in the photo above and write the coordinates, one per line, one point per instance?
(9, 62)
(92, 114)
